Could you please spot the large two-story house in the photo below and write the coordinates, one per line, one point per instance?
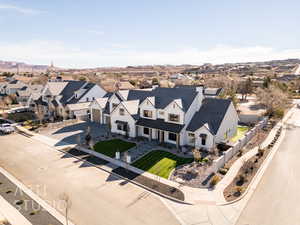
(67, 99)
(180, 116)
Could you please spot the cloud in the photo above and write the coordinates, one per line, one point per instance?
(42, 52)
(19, 9)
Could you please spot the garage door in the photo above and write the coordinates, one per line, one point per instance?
(96, 113)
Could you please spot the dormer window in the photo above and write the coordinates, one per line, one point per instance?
(147, 113)
(121, 112)
(173, 117)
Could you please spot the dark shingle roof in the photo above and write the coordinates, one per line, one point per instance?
(87, 87)
(211, 112)
(160, 124)
(69, 90)
(164, 96)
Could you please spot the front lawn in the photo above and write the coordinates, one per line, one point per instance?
(110, 147)
(160, 163)
(241, 131)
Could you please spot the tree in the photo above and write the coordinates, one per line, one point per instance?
(155, 81)
(39, 111)
(273, 98)
(7, 100)
(82, 78)
(267, 82)
(196, 154)
(64, 197)
(245, 88)
(132, 82)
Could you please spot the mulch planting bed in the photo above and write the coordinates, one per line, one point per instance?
(29, 208)
(246, 173)
(150, 183)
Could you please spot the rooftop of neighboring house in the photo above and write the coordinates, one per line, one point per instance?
(125, 85)
(15, 84)
(70, 92)
(28, 90)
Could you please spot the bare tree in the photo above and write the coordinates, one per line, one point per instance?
(39, 113)
(7, 100)
(67, 205)
(245, 88)
(272, 98)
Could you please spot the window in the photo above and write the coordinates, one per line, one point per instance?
(87, 99)
(121, 112)
(173, 117)
(120, 126)
(203, 139)
(147, 113)
(146, 131)
(114, 105)
(172, 136)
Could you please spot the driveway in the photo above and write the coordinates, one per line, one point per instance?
(97, 197)
(70, 133)
(276, 199)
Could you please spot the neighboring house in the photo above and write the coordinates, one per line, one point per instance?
(2, 88)
(179, 76)
(12, 87)
(207, 91)
(179, 116)
(25, 93)
(68, 99)
(213, 92)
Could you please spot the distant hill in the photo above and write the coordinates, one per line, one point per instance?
(14, 67)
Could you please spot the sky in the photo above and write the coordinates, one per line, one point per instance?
(95, 33)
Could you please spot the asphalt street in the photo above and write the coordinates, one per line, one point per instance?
(96, 196)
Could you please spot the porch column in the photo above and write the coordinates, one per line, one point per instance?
(177, 140)
(161, 133)
(150, 134)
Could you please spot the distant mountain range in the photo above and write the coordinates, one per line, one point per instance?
(14, 67)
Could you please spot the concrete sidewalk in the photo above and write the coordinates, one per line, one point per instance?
(34, 196)
(11, 214)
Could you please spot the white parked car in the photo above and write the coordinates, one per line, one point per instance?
(6, 128)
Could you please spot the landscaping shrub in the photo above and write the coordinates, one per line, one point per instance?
(215, 179)
(260, 152)
(279, 113)
(248, 167)
(238, 191)
(241, 180)
(240, 153)
(223, 171)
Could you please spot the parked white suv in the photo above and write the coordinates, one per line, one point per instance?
(6, 128)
